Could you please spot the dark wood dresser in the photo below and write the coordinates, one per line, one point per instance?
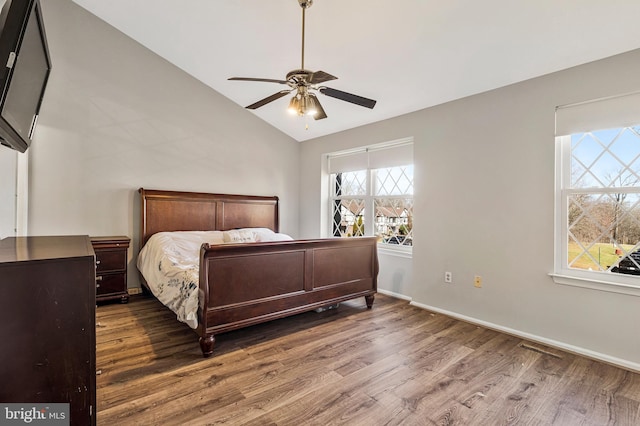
(111, 268)
(47, 323)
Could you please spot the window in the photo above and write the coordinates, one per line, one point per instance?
(598, 195)
(372, 193)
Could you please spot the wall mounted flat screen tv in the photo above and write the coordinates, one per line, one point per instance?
(24, 70)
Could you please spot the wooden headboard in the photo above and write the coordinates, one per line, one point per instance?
(197, 211)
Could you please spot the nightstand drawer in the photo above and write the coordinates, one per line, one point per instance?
(111, 268)
(110, 283)
(111, 260)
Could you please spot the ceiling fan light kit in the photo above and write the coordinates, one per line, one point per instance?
(303, 104)
(302, 81)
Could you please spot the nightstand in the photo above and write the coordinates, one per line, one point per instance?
(111, 268)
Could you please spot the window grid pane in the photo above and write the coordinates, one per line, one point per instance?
(348, 217)
(351, 183)
(390, 217)
(394, 181)
(605, 158)
(394, 220)
(603, 201)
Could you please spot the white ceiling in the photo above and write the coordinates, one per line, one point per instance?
(406, 54)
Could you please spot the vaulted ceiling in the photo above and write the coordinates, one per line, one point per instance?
(406, 54)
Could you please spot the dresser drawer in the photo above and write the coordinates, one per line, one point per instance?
(111, 283)
(111, 260)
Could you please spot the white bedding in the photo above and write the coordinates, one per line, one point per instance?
(169, 263)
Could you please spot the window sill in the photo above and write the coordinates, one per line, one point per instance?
(593, 284)
(395, 250)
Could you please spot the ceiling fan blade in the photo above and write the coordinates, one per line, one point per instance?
(320, 114)
(348, 97)
(268, 99)
(264, 80)
(320, 77)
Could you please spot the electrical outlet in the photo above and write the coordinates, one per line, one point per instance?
(448, 278)
(477, 281)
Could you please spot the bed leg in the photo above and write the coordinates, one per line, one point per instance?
(369, 300)
(206, 344)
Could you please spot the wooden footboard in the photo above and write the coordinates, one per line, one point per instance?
(246, 284)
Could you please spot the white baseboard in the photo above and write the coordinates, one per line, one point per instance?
(395, 295)
(623, 363)
(134, 290)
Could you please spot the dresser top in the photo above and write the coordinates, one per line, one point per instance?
(19, 249)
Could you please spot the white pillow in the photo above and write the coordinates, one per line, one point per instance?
(239, 236)
(266, 234)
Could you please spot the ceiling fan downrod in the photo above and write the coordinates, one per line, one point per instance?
(304, 4)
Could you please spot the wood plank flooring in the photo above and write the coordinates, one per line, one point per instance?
(393, 365)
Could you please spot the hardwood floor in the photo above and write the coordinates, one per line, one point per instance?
(393, 365)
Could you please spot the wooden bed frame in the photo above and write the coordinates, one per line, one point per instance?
(250, 283)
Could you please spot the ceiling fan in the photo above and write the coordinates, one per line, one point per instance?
(303, 82)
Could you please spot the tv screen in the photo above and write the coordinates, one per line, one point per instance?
(24, 51)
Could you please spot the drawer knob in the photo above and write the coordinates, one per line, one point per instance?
(99, 278)
(97, 262)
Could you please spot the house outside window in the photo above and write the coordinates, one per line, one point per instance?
(598, 195)
(372, 193)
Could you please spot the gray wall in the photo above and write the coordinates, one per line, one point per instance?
(117, 117)
(484, 205)
(8, 168)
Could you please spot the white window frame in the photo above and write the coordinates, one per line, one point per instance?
(369, 197)
(612, 112)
